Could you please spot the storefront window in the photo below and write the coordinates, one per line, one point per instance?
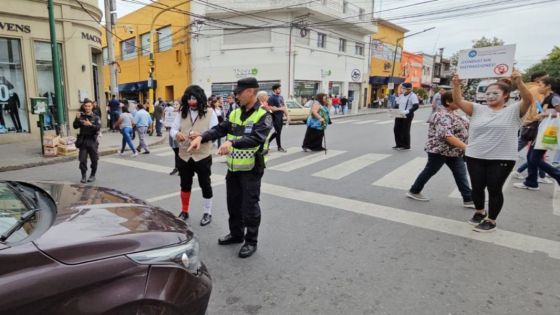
(128, 49)
(13, 100)
(305, 90)
(164, 39)
(45, 84)
(145, 41)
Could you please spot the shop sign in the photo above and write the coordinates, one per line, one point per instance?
(356, 75)
(325, 73)
(11, 27)
(245, 72)
(93, 38)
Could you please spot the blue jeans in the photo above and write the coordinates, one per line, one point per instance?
(158, 127)
(521, 145)
(127, 139)
(536, 161)
(457, 167)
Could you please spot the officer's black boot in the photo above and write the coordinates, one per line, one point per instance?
(83, 180)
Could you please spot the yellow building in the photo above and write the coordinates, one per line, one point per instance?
(382, 55)
(132, 52)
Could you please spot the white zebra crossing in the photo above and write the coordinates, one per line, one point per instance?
(401, 177)
(305, 161)
(385, 122)
(351, 166)
(363, 122)
(346, 121)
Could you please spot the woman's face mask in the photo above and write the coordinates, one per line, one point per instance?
(192, 102)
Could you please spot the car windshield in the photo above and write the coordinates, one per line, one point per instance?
(11, 209)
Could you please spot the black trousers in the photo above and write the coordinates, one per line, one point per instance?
(243, 196)
(89, 147)
(491, 175)
(177, 158)
(402, 131)
(278, 123)
(14, 114)
(203, 170)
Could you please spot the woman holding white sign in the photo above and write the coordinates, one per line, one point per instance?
(492, 149)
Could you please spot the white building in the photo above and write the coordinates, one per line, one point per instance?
(427, 70)
(327, 51)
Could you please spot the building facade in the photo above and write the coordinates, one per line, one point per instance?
(26, 62)
(427, 70)
(132, 51)
(383, 52)
(289, 42)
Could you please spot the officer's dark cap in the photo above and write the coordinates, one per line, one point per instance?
(246, 83)
(407, 85)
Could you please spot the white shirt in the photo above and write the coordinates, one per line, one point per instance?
(405, 102)
(193, 114)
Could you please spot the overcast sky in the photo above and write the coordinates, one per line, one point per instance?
(534, 29)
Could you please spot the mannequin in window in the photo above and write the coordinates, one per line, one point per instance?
(13, 107)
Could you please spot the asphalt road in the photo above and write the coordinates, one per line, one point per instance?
(338, 236)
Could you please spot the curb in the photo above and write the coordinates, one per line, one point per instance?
(62, 159)
(359, 114)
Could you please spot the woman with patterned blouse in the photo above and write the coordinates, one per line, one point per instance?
(447, 138)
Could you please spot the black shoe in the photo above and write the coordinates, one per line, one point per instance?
(206, 219)
(146, 152)
(138, 149)
(396, 147)
(91, 179)
(247, 250)
(485, 227)
(184, 216)
(477, 218)
(228, 239)
(403, 148)
(174, 171)
(282, 150)
(83, 180)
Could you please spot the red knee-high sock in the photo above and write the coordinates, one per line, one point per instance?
(185, 201)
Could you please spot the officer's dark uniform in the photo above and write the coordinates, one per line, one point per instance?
(249, 132)
(88, 143)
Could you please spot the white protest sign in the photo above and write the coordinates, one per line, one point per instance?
(487, 62)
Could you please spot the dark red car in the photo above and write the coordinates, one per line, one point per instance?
(71, 249)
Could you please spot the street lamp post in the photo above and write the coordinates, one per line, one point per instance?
(56, 70)
(397, 48)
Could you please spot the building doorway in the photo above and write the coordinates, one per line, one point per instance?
(169, 95)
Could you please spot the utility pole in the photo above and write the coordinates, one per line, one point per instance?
(56, 71)
(110, 18)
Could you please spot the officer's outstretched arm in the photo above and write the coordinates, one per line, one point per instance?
(258, 135)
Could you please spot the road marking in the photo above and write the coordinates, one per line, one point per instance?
(513, 240)
(366, 122)
(386, 122)
(138, 164)
(348, 167)
(171, 152)
(556, 200)
(416, 121)
(165, 148)
(305, 161)
(345, 121)
(215, 179)
(403, 176)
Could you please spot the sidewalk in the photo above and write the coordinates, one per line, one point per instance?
(16, 156)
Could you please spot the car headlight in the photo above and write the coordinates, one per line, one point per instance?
(184, 255)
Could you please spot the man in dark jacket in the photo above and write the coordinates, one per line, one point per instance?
(158, 116)
(89, 125)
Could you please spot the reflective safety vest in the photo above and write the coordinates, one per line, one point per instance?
(243, 160)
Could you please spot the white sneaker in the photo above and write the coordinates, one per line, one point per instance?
(517, 175)
(135, 154)
(545, 181)
(417, 196)
(121, 153)
(522, 186)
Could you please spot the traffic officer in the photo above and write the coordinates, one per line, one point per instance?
(247, 131)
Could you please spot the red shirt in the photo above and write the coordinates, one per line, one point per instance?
(336, 101)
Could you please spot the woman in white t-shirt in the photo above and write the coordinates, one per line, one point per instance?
(492, 148)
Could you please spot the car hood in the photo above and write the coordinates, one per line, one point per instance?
(94, 223)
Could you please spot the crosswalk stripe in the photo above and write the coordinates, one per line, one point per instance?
(171, 152)
(403, 176)
(345, 121)
(165, 148)
(503, 238)
(305, 161)
(215, 179)
(385, 122)
(366, 122)
(138, 164)
(348, 167)
(416, 121)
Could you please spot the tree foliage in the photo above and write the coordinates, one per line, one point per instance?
(551, 65)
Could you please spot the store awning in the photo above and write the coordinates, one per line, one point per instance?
(135, 86)
(380, 80)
